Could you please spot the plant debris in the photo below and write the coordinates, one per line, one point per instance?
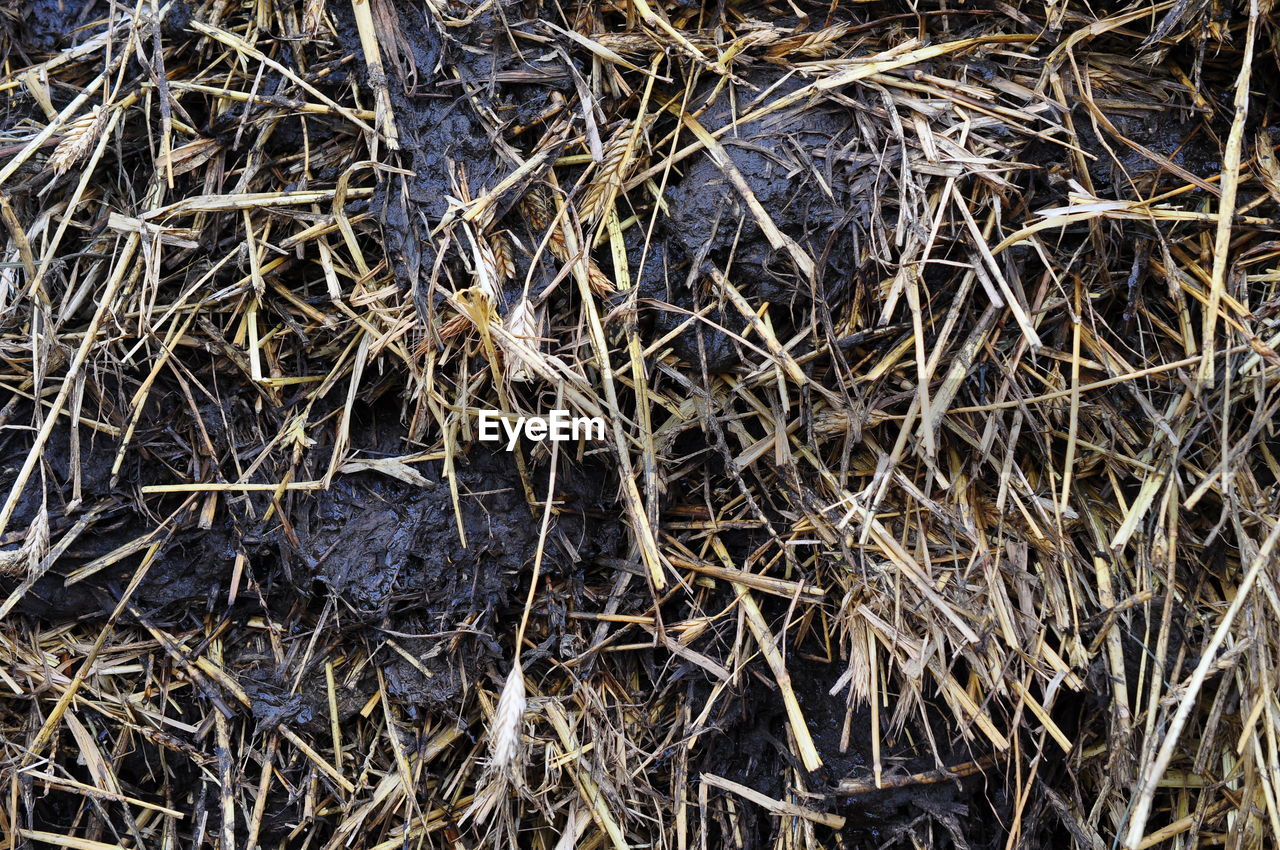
(933, 346)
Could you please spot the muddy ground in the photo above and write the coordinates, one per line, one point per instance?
(374, 564)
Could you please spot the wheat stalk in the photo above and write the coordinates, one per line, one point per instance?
(809, 44)
(452, 327)
(504, 735)
(755, 34)
(76, 141)
(524, 321)
(485, 256)
(537, 208)
(504, 747)
(613, 167)
(504, 262)
(631, 43)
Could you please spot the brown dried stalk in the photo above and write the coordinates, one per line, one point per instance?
(540, 212)
(77, 139)
(610, 176)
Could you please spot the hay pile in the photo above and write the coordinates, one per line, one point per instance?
(937, 501)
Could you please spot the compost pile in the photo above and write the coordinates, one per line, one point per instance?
(936, 503)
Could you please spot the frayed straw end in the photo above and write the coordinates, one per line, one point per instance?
(504, 747)
(504, 737)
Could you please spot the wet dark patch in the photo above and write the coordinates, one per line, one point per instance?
(799, 168)
(749, 744)
(168, 582)
(445, 143)
(808, 172)
(47, 25)
(1173, 134)
(391, 553)
(810, 169)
